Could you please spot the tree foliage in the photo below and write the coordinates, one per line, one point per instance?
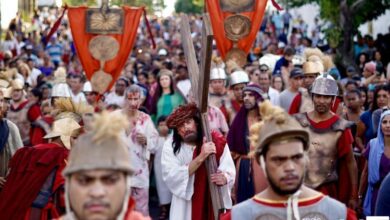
(189, 6)
(345, 17)
(362, 11)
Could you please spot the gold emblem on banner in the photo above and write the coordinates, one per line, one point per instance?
(237, 27)
(237, 55)
(104, 20)
(102, 48)
(237, 6)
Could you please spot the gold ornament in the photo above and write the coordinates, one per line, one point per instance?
(109, 22)
(102, 48)
(237, 6)
(237, 55)
(237, 27)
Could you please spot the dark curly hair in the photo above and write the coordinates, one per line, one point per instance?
(177, 139)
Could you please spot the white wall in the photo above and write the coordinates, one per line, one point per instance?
(380, 25)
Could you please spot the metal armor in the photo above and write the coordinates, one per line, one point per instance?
(322, 167)
(306, 102)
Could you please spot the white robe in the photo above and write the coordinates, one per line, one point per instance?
(176, 176)
(140, 155)
(164, 194)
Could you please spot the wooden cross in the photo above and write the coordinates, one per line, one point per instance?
(200, 89)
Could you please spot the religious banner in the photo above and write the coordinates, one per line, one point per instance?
(241, 21)
(103, 39)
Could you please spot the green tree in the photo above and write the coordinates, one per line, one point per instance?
(345, 16)
(189, 6)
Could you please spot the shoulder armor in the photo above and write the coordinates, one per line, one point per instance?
(342, 124)
(302, 119)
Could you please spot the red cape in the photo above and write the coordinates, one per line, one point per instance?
(202, 207)
(30, 166)
(37, 133)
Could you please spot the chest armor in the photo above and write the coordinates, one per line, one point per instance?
(306, 102)
(322, 151)
(322, 166)
(20, 119)
(325, 209)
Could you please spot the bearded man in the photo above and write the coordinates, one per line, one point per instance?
(281, 149)
(184, 170)
(248, 182)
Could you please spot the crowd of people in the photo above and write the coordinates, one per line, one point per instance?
(289, 129)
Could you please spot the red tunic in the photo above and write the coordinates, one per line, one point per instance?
(201, 200)
(30, 167)
(340, 190)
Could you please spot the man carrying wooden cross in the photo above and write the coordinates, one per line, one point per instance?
(196, 163)
(184, 168)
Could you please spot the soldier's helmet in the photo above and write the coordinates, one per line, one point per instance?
(325, 85)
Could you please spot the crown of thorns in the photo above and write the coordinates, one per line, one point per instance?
(181, 114)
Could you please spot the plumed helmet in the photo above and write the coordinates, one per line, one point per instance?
(312, 67)
(277, 125)
(325, 85)
(238, 77)
(61, 90)
(217, 73)
(64, 128)
(102, 148)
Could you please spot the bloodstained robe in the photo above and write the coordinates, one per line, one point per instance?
(192, 192)
(341, 189)
(30, 168)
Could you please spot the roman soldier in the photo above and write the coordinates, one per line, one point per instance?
(34, 187)
(332, 168)
(281, 146)
(238, 80)
(98, 174)
(316, 63)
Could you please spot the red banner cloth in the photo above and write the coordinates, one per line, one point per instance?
(217, 17)
(126, 41)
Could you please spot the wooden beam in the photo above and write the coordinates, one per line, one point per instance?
(190, 55)
(205, 63)
(200, 90)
